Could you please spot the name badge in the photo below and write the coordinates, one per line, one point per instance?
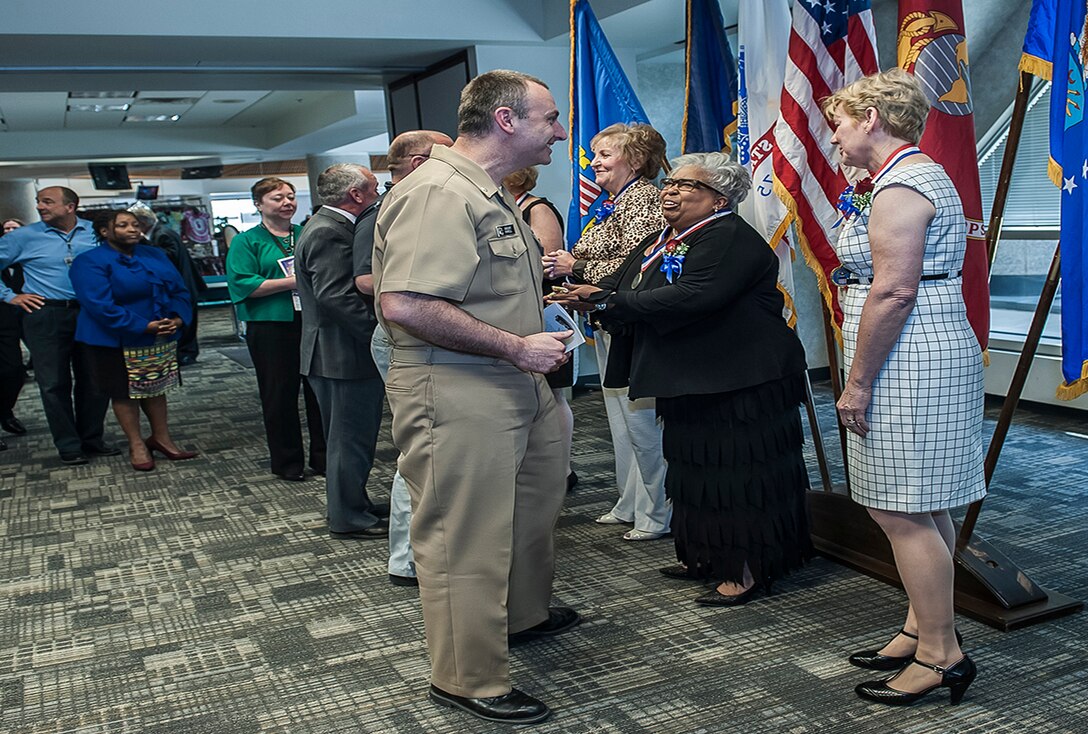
(505, 230)
(840, 275)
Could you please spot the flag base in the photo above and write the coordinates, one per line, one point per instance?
(989, 586)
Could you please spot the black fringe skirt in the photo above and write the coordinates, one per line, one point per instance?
(737, 480)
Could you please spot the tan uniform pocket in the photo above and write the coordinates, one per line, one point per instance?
(509, 267)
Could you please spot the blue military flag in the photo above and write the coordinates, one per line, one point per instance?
(1061, 25)
(1039, 41)
(600, 95)
(710, 94)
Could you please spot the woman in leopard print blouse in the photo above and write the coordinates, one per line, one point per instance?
(626, 159)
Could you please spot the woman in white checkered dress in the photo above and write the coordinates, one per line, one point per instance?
(913, 397)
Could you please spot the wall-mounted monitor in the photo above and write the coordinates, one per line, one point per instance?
(147, 193)
(109, 176)
(202, 172)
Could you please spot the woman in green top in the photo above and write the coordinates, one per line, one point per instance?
(261, 281)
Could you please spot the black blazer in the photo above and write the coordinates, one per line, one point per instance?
(718, 327)
(337, 322)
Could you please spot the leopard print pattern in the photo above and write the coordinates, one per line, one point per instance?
(605, 246)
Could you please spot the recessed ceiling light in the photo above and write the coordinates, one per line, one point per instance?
(85, 107)
(101, 95)
(152, 118)
(187, 101)
(228, 101)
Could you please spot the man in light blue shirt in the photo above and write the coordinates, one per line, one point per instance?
(46, 249)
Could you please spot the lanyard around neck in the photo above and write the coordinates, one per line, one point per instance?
(289, 240)
(894, 159)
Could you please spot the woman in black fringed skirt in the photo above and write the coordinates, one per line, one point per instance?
(696, 319)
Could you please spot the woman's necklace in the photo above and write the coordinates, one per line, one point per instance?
(672, 250)
(858, 197)
(287, 243)
(604, 211)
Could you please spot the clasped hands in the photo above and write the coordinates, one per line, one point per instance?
(164, 327)
(558, 264)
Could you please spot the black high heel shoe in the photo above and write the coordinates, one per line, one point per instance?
(954, 677)
(873, 660)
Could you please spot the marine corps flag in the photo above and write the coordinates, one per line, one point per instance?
(600, 95)
(933, 47)
(710, 94)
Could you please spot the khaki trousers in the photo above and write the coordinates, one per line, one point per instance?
(482, 454)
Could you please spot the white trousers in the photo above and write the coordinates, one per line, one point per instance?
(402, 561)
(636, 441)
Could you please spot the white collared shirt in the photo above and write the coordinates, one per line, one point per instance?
(351, 217)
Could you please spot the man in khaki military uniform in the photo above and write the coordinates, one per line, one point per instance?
(458, 284)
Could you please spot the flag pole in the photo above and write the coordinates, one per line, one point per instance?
(1046, 299)
(1004, 179)
(832, 345)
(817, 435)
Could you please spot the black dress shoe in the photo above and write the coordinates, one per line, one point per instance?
(513, 708)
(378, 530)
(12, 424)
(955, 677)
(681, 572)
(403, 580)
(873, 660)
(3, 445)
(380, 509)
(100, 449)
(300, 477)
(715, 598)
(572, 480)
(560, 619)
(73, 459)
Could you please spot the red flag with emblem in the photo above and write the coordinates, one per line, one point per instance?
(933, 47)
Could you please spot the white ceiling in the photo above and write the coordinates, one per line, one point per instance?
(276, 79)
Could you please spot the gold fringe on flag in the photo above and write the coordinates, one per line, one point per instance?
(1039, 67)
(810, 257)
(1073, 390)
(1054, 172)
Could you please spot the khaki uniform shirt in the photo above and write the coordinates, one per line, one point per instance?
(448, 231)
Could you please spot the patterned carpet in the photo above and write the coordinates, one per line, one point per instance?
(205, 597)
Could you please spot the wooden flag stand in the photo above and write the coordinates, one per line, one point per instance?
(989, 586)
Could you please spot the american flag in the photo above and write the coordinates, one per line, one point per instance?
(832, 43)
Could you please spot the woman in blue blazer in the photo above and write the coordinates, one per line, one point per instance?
(133, 307)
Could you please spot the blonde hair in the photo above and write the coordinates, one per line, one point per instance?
(897, 97)
(523, 179)
(640, 145)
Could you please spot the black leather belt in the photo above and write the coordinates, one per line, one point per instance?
(60, 303)
(841, 276)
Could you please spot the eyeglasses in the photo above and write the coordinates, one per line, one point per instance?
(687, 185)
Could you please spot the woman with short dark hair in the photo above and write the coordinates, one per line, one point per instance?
(261, 282)
(133, 306)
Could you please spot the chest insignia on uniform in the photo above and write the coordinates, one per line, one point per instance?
(505, 230)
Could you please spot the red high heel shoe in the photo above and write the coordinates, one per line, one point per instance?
(148, 465)
(153, 446)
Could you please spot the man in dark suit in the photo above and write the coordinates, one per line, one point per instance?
(159, 235)
(337, 325)
(407, 152)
